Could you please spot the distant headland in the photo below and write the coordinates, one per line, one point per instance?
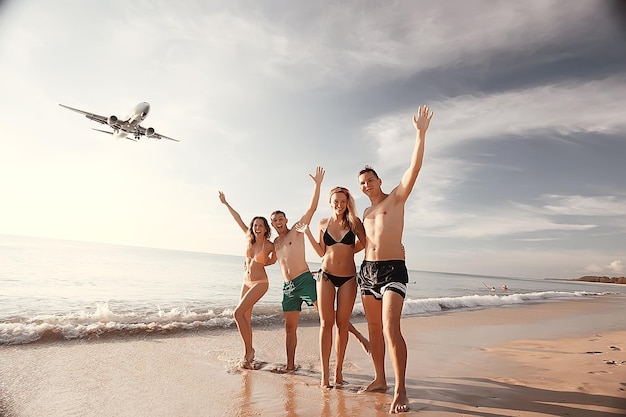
(609, 280)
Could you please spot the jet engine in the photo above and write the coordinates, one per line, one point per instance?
(112, 120)
(150, 131)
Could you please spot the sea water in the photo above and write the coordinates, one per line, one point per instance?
(62, 290)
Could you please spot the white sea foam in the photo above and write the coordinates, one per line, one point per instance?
(102, 321)
(433, 305)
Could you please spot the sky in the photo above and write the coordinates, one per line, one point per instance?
(523, 173)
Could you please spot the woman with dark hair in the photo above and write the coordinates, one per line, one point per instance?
(337, 278)
(259, 253)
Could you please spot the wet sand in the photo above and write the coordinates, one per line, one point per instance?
(560, 358)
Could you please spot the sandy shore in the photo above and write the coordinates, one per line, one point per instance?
(564, 358)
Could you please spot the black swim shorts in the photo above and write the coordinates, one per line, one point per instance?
(376, 277)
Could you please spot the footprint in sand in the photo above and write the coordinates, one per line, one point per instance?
(281, 369)
(598, 372)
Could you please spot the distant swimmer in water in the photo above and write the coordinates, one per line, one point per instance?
(259, 253)
(504, 287)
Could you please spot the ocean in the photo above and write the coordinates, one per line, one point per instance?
(63, 290)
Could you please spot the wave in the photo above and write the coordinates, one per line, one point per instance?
(102, 322)
(434, 305)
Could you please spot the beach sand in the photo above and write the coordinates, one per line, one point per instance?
(558, 358)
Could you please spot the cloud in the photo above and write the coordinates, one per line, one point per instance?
(533, 113)
(562, 107)
(617, 266)
(577, 205)
(310, 47)
(497, 223)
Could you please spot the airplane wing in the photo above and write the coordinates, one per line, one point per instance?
(90, 116)
(154, 135)
(158, 136)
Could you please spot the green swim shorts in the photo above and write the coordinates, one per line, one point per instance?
(299, 289)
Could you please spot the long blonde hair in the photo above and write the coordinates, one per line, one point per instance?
(349, 216)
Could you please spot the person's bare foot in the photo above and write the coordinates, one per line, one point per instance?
(338, 379)
(375, 386)
(249, 357)
(247, 362)
(340, 384)
(400, 404)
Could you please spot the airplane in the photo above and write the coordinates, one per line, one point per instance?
(128, 128)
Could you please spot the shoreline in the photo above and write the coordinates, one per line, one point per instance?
(545, 359)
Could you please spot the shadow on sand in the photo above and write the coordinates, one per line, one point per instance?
(475, 395)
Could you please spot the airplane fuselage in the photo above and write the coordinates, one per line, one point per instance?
(133, 120)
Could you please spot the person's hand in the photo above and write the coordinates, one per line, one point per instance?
(422, 120)
(271, 259)
(300, 227)
(222, 198)
(319, 175)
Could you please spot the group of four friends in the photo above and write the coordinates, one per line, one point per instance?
(382, 277)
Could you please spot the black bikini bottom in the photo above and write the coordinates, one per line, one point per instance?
(337, 281)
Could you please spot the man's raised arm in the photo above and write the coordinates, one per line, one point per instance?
(317, 178)
(421, 123)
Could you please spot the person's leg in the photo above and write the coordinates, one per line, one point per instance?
(365, 344)
(326, 309)
(373, 314)
(243, 316)
(291, 337)
(346, 295)
(391, 313)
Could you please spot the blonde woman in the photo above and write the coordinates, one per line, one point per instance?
(259, 254)
(337, 279)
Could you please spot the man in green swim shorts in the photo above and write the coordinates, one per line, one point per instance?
(299, 284)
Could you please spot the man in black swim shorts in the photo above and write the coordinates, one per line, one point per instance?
(383, 275)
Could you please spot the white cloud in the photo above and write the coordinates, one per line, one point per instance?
(617, 266)
(497, 223)
(613, 267)
(311, 46)
(585, 206)
(524, 112)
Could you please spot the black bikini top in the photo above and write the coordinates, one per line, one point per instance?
(348, 238)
